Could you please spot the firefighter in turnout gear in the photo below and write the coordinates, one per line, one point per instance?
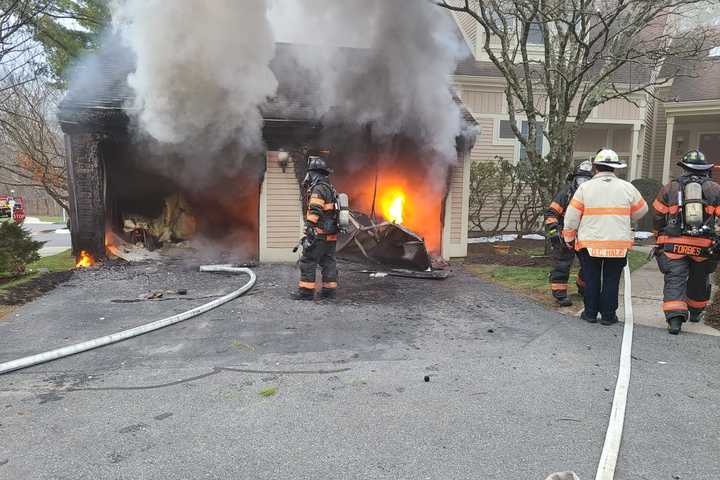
(598, 223)
(321, 229)
(686, 225)
(562, 256)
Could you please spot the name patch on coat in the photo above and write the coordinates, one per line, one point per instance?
(687, 250)
(607, 252)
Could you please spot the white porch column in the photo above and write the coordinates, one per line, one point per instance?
(635, 166)
(668, 149)
(610, 137)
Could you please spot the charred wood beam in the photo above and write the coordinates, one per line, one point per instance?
(86, 184)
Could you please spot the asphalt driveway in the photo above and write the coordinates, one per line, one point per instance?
(515, 391)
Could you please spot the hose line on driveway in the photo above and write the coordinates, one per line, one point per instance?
(134, 332)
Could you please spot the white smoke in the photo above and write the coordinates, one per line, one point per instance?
(401, 85)
(202, 68)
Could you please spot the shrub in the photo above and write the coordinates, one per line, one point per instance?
(17, 248)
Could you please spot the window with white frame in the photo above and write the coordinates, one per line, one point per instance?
(505, 131)
(539, 128)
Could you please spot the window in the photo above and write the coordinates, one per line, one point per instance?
(538, 139)
(506, 131)
(535, 36)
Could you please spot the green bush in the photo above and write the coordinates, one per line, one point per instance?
(648, 188)
(17, 248)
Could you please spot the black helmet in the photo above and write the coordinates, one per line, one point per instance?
(318, 164)
(695, 160)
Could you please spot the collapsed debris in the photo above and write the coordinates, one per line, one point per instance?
(388, 244)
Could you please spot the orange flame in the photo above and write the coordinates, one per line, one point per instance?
(405, 192)
(84, 260)
(392, 205)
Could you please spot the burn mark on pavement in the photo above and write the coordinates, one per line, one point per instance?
(214, 371)
(4, 462)
(163, 416)
(116, 457)
(48, 397)
(138, 427)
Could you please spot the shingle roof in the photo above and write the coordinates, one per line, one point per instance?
(703, 85)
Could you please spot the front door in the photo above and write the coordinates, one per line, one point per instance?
(710, 146)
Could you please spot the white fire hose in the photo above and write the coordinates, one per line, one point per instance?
(134, 332)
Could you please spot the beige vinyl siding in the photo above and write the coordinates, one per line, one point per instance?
(468, 26)
(455, 198)
(455, 221)
(485, 150)
(618, 109)
(483, 101)
(283, 214)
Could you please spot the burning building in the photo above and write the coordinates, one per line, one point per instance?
(124, 185)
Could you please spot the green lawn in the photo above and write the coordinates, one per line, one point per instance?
(54, 263)
(533, 281)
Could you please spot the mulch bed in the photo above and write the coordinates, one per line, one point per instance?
(522, 253)
(33, 289)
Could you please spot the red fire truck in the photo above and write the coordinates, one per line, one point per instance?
(12, 207)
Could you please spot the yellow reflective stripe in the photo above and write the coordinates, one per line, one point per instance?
(329, 285)
(308, 285)
(577, 204)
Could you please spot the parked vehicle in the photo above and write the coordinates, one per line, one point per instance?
(12, 207)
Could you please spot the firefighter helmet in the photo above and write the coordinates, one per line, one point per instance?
(584, 169)
(695, 160)
(318, 164)
(608, 158)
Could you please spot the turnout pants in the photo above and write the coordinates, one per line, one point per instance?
(602, 283)
(559, 275)
(320, 253)
(687, 283)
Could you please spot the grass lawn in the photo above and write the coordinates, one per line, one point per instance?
(533, 281)
(54, 263)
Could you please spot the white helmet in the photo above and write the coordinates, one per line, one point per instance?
(608, 158)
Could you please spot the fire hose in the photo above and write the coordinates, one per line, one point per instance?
(140, 330)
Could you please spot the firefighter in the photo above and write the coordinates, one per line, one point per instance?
(562, 256)
(598, 222)
(321, 229)
(687, 227)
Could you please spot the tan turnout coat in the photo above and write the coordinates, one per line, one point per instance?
(600, 214)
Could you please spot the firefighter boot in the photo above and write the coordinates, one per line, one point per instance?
(696, 315)
(609, 319)
(588, 317)
(564, 301)
(304, 294)
(328, 293)
(675, 325)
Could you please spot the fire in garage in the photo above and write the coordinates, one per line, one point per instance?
(162, 157)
